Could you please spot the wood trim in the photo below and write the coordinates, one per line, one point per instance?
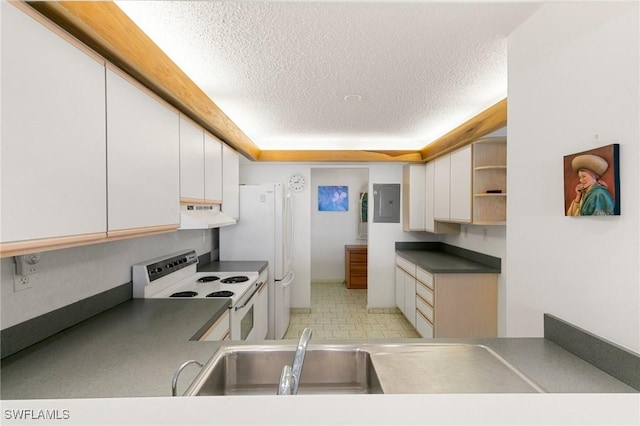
(135, 232)
(105, 28)
(47, 244)
(186, 201)
(489, 120)
(338, 155)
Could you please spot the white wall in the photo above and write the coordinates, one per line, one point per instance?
(573, 74)
(69, 275)
(382, 236)
(331, 231)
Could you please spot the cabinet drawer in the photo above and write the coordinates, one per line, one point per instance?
(406, 265)
(423, 325)
(358, 257)
(358, 269)
(424, 308)
(424, 277)
(425, 292)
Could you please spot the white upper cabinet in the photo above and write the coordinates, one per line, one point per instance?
(442, 190)
(191, 160)
(230, 182)
(413, 201)
(53, 134)
(452, 192)
(143, 157)
(212, 169)
(460, 196)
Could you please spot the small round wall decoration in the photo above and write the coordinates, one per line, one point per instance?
(297, 182)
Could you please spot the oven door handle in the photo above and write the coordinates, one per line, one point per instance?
(250, 298)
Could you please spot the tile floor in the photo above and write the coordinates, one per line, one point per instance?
(341, 313)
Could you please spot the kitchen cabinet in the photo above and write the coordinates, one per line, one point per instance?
(355, 266)
(191, 161)
(413, 197)
(143, 158)
(490, 181)
(200, 165)
(212, 169)
(230, 182)
(452, 195)
(449, 304)
(418, 200)
(219, 330)
(53, 162)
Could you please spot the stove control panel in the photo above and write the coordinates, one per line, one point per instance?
(163, 267)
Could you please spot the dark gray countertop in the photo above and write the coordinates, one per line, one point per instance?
(233, 266)
(133, 350)
(440, 262)
(130, 350)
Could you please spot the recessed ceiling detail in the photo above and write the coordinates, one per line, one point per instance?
(290, 73)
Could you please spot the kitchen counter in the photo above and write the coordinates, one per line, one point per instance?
(130, 350)
(233, 266)
(440, 258)
(133, 350)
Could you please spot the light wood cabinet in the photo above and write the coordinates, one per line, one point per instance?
(355, 260)
(53, 161)
(143, 158)
(449, 304)
(490, 181)
(230, 182)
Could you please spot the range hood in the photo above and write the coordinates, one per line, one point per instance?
(203, 217)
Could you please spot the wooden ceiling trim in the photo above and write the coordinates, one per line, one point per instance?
(339, 156)
(488, 121)
(105, 28)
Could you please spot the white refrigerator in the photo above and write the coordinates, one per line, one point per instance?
(264, 231)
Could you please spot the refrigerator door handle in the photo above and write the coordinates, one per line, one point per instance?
(286, 281)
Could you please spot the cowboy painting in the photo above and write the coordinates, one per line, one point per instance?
(592, 182)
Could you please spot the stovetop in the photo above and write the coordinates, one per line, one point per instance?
(197, 288)
(176, 274)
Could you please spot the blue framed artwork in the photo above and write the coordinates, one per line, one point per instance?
(333, 198)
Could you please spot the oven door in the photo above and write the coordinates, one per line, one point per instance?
(245, 317)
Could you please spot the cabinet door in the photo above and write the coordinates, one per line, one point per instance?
(429, 204)
(410, 298)
(212, 169)
(53, 163)
(230, 182)
(192, 162)
(400, 289)
(413, 202)
(460, 201)
(442, 176)
(143, 152)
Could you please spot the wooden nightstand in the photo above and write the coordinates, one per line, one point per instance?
(355, 266)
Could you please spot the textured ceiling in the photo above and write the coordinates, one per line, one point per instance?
(281, 70)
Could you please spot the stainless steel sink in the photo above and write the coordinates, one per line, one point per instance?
(255, 370)
(361, 369)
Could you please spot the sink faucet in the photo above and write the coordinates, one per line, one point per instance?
(290, 377)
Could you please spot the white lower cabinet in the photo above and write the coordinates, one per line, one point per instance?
(410, 298)
(219, 330)
(400, 288)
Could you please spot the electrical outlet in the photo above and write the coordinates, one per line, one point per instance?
(27, 264)
(23, 282)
